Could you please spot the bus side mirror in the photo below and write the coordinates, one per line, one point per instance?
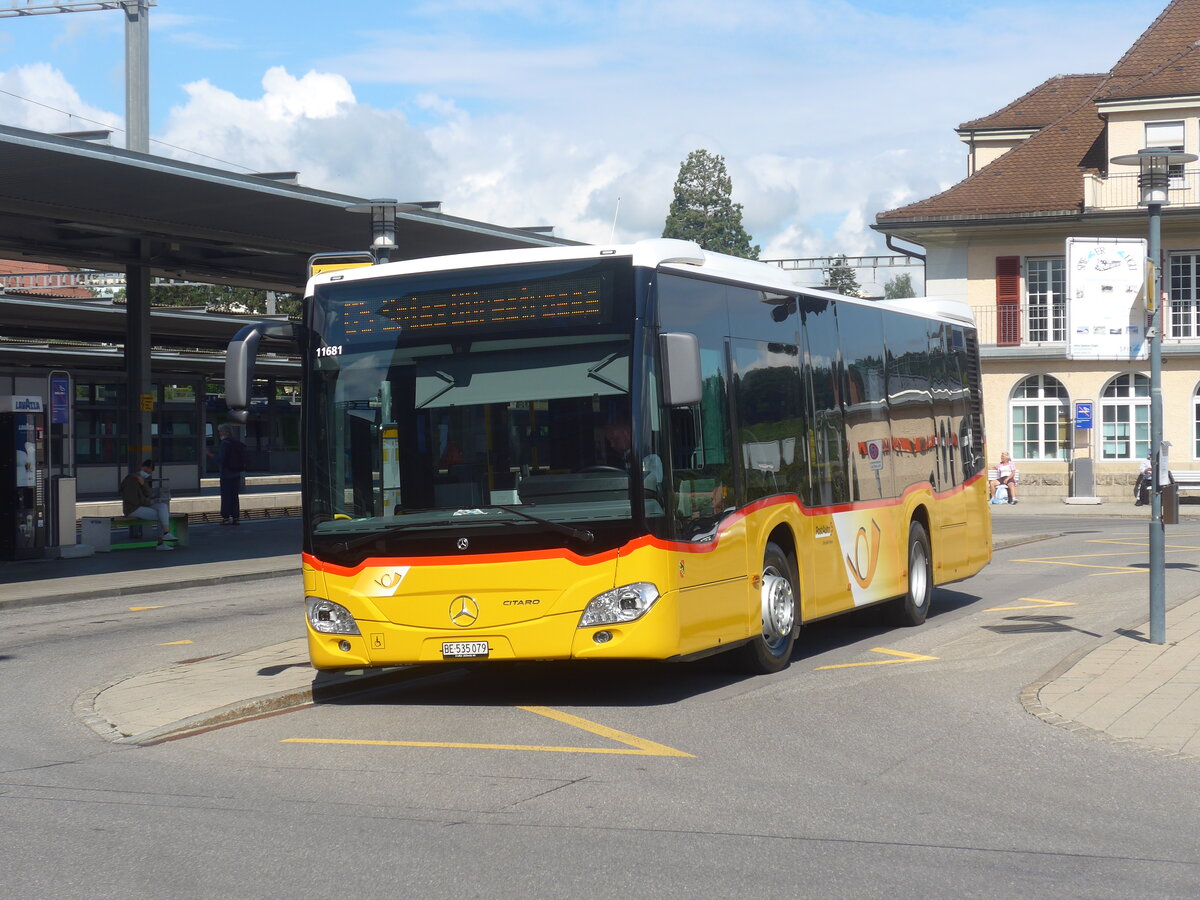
(680, 352)
(239, 362)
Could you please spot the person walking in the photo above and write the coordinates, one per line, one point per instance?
(138, 502)
(230, 457)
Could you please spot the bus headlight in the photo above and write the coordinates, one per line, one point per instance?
(329, 617)
(622, 604)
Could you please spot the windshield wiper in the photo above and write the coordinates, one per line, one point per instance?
(580, 534)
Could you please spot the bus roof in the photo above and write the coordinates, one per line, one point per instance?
(658, 253)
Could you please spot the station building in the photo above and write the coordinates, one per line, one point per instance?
(1039, 172)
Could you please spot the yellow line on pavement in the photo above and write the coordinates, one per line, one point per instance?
(906, 658)
(634, 746)
(1038, 604)
(174, 643)
(140, 608)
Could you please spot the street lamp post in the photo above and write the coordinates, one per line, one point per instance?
(1154, 182)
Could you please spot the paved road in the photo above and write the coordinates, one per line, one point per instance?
(882, 763)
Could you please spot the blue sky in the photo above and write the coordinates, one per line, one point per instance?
(545, 112)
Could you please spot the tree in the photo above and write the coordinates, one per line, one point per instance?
(840, 278)
(218, 298)
(900, 286)
(703, 210)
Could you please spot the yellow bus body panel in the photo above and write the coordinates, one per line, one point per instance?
(527, 606)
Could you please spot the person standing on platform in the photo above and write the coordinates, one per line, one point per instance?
(230, 457)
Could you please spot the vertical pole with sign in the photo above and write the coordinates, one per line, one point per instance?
(1083, 477)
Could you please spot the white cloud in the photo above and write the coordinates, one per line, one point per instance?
(39, 98)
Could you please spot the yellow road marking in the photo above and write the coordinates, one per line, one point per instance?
(905, 658)
(174, 643)
(1044, 604)
(140, 608)
(634, 746)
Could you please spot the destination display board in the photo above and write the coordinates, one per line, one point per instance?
(579, 299)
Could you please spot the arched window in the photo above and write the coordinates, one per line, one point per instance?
(1125, 417)
(1039, 413)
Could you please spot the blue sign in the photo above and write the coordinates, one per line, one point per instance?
(1083, 413)
(60, 400)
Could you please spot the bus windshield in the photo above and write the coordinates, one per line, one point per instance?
(496, 426)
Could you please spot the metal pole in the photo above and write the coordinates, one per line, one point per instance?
(1158, 615)
(137, 76)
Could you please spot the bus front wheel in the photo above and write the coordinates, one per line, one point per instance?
(771, 651)
(913, 607)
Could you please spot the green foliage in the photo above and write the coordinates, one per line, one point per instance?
(218, 298)
(703, 210)
(840, 278)
(900, 286)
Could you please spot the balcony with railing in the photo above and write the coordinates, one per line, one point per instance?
(1044, 326)
(1021, 325)
(1119, 190)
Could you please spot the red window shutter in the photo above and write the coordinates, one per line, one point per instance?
(1008, 301)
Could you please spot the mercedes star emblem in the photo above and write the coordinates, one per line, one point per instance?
(464, 611)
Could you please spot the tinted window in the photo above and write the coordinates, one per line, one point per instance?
(914, 447)
(822, 385)
(701, 476)
(867, 432)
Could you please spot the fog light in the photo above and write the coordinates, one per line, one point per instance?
(344, 646)
(602, 637)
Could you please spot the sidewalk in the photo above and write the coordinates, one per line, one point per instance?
(1125, 689)
(258, 548)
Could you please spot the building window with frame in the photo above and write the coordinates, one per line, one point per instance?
(1040, 414)
(1045, 301)
(1125, 417)
(1170, 136)
(1185, 294)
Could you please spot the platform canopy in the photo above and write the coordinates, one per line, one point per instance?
(78, 203)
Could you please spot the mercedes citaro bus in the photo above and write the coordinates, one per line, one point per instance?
(621, 452)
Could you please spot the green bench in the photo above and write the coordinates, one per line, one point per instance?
(98, 532)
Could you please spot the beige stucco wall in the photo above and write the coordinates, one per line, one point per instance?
(1127, 129)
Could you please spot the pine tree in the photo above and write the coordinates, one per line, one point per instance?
(840, 278)
(703, 210)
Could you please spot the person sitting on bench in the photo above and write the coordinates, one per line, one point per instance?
(138, 502)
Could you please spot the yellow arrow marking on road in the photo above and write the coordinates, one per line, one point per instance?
(1038, 604)
(905, 658)
(634, 746)
(174, 643)
(140, 608)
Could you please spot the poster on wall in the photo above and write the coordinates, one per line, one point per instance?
(1106, 313)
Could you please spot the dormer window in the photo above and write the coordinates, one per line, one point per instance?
(1169, 135)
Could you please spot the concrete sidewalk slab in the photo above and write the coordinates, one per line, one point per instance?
(1131, 691)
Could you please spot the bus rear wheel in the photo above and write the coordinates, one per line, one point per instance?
(913, 607)
(771, 651)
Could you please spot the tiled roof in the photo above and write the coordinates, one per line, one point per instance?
(1042, 105)
(1043, 173)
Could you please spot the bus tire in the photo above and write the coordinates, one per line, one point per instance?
(771, 651)
(913, 607)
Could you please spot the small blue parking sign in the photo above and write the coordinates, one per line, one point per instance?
(1083, 413)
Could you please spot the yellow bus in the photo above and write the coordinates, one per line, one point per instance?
(645, 452)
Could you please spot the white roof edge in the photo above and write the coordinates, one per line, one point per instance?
(683, 256)
(942, 307)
